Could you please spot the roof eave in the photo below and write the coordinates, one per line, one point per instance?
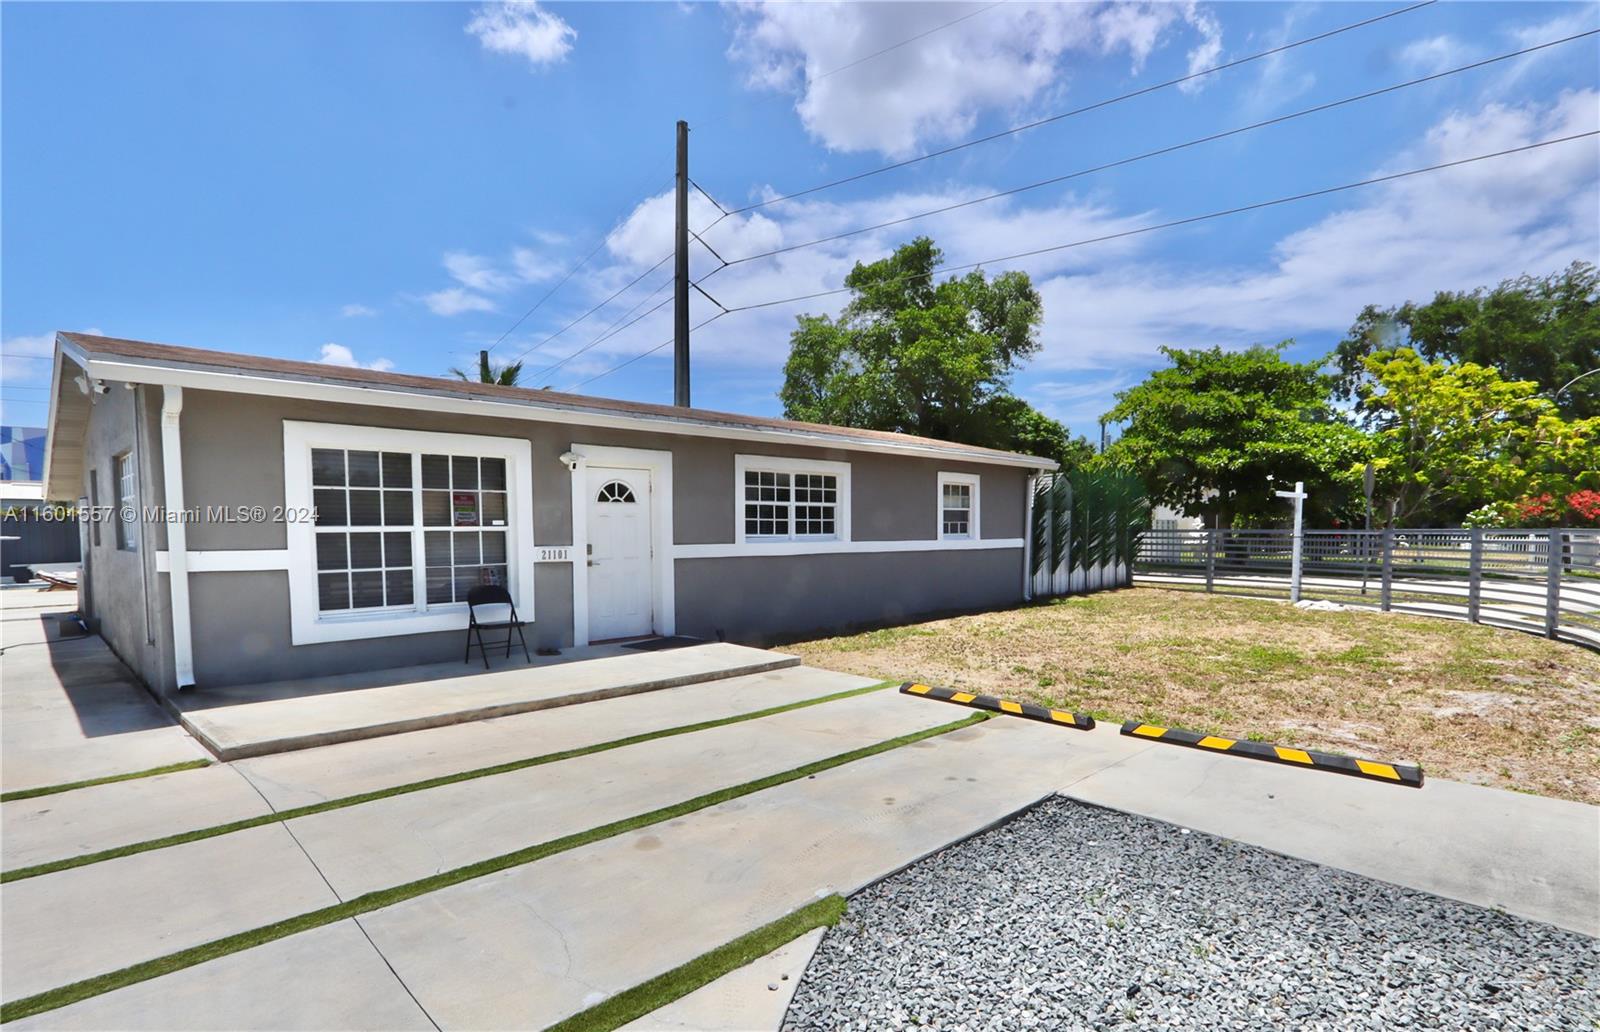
(124, 369)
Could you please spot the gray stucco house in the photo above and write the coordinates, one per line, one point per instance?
(296, 519)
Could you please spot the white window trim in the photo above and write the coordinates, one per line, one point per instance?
(973, 481)
(659, 466)
(127, 536)
(784, 464)
(307, 624)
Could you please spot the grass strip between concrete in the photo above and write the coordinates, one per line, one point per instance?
(171, 768)
(67, 863)
(649, 996)
(380, 898)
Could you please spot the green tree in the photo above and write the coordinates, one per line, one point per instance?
(1452, 437)
(1545, 330)
(916, 355)
(487, 372)
(1211, 434)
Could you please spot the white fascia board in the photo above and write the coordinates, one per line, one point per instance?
(63, 350)
(780, 548)
(351, 394)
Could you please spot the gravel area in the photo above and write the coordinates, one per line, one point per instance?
(1073, 917)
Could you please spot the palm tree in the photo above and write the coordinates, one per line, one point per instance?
(505, 376)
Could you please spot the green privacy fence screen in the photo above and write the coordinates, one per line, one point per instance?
(1084, 531)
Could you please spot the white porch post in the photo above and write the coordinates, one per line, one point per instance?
(579, 470)
(177, 535)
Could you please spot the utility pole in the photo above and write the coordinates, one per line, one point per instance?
(680, 276)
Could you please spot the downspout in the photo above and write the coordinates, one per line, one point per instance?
(177, 535)
(1027, 540)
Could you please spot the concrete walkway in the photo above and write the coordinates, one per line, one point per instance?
(252, 878)
(530, 945)
(258, 720)
(69, 710)
(101, 817)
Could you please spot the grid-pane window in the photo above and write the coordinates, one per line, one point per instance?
(365, 511)
(127, 477)
(464, 518)
(786, 505)
(766, 503)
(956, 505)
(816, 500)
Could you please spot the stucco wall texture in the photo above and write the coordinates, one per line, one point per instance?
(233, 456)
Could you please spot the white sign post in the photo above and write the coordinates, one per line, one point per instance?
(1299, 496)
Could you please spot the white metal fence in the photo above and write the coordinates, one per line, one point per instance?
(1543, 581)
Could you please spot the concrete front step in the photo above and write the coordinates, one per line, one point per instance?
(285, 716)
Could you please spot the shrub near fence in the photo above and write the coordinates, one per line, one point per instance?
(1083, 531)
(1546, 581)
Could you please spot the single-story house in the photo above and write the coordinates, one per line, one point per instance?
(257, 519)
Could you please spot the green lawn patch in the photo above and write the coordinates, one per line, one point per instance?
(33, 793)
(681, 981)
(166, 841)
(378, 899)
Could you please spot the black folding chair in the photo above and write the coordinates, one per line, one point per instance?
(492, 595)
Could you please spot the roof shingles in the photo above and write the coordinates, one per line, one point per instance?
(172, 355)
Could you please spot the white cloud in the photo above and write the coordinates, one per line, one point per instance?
(936, 88)
(1206, 53)
(524, 29)
(1435, 54)
(340, 355)
(21, 363)
(1109, 306)
(476, 272)
(455, 300)
(357, 311)
(477, 277)
(1456, 229)
(532, 267)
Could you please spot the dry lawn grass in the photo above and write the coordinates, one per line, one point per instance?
(1468, 702)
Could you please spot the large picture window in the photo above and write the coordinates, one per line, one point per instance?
(406, 524)
(791, 499)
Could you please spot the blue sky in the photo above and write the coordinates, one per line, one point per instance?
(395, 184)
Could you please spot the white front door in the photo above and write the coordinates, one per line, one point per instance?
(620, 567)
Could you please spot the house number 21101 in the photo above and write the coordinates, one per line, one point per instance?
(555, 555)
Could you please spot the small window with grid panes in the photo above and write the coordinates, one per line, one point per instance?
(958, 506)
(786, 506)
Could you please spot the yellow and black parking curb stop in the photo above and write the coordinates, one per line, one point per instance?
(1393, 773)
(1063, 718)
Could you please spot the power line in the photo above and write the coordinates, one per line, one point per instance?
(642, 354)
(905, 42)
(549, 293)
(1191, 219)
(1113, 236)
(614, 328)
(1082, 110)
(627, 287)
(1151, 154)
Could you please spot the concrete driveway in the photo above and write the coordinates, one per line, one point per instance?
(529, 943)
(69, 710)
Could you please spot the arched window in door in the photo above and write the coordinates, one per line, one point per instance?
(615, 491)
